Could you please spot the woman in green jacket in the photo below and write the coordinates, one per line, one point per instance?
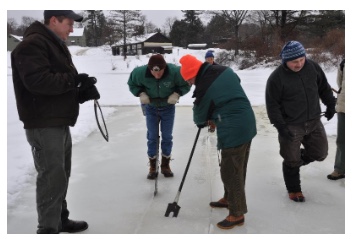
(219, 97)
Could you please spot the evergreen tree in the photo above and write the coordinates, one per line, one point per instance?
(95, 27)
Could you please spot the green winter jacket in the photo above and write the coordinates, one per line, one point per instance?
(141, 80)
(220, 98)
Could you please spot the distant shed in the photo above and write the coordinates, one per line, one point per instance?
(142, 45)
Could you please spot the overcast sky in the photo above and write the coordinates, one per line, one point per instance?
(157, 17)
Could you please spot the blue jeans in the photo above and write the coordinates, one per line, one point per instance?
(340, 141)
(51, 149)
(159, 119)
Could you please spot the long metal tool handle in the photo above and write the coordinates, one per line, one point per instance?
(157, 157)
(188, 165)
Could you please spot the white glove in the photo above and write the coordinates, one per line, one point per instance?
(144, 99)
(173, 98)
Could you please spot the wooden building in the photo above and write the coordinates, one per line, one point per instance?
(77, 38)
(142, 45)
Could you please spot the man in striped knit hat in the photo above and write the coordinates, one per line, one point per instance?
(293, 94)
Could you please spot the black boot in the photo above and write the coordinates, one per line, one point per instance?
(72, 226)
(47, 231)
(303, 157)
(153, 164)
(165, 169)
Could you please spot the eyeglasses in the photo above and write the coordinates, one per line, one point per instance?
(156, 68)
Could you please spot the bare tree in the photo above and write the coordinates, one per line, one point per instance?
(167, 26)
(234, 18)
(284, 21)
(126, 21)
(11, 25)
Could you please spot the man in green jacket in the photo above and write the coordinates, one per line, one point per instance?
(219, 97)
(159, 86)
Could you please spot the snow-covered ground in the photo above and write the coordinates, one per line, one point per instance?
(109, 188)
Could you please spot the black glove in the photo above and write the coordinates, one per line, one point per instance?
(200, 126)
(284, 132)
(88, 94)
(330, 112)
(83, 81)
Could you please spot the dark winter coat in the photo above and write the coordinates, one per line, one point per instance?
(220, 98)
(294, 97)
(158, 90)
(43, 78)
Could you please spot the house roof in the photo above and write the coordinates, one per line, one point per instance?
(78, 32)
(20, 38)
(135, 39)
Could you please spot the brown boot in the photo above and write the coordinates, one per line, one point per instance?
(152, 173)
(231, 221)
(165, 169)
(296, 196)
(220, 203)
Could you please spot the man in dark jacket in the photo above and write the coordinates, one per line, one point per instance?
(293, 92)
(219, 97)
(159, 86)
(48, 91)
(209, 57)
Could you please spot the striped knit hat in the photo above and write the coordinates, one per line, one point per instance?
(291, 51)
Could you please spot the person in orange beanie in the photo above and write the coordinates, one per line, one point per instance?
(219, 97)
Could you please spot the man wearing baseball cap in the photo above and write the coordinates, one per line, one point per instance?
(48, 92)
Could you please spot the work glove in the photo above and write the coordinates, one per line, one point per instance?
(88, 94)
(173, 98)
(83, 81)
(211, 126)
(144, 99)
(284, 132)
(330, 112)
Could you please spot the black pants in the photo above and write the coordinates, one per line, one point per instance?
(312, 136)
(51, 149)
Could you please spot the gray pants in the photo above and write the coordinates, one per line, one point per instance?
(312, 136)
(340, 142)
(233, 173)
(51, 149)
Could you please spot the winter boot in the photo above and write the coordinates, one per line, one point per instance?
(305, 160)
(165, 169)
(297, 197)
(153, 165)
(231, 221)
(335, 175)
(220, 203)
(72, 226)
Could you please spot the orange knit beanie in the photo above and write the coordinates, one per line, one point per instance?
(190, 65)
